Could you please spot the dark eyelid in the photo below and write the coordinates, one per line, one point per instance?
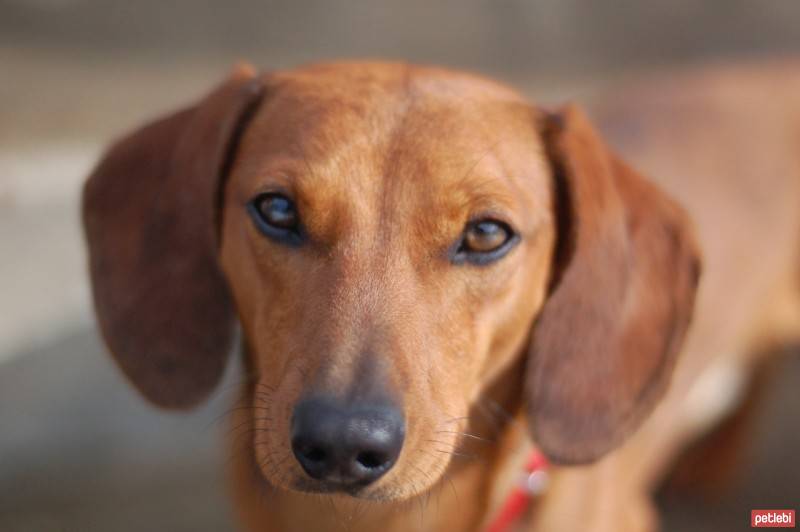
(490, 216)
(476, 258)
(294, 237)
(270, 189)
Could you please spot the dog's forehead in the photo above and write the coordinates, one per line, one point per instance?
(353, 80)
(365, 128)
(326, 110)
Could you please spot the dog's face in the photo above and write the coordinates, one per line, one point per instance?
(387, 240)
(391, 239)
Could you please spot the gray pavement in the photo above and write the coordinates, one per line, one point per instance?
(81, 452)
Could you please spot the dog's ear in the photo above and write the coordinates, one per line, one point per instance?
(625, 275)
(149, 211)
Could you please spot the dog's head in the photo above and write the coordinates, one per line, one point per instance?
(391, 240)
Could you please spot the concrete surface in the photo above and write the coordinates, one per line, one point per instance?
(81, 452)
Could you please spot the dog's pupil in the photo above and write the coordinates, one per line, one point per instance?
(485, 236)
(279, 211)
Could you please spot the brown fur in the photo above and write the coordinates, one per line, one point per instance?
(571, 338)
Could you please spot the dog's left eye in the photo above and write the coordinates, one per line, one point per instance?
(484, 241)
(276, 216)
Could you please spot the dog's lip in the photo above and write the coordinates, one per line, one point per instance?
(307, 485)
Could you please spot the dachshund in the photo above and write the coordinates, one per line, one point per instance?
(432, 278)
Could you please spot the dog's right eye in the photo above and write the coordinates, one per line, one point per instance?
(276, 216)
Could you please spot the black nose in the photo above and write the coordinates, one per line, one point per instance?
(347, 446)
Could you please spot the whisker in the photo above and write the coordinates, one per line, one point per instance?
(457, 454)
(500, 411)
(454, 419)
(452, 487)
(466, 435)
(429, 491)
(251, 421)
(230, 411)
(441, 443)
(491, 417)
(421, 507)
(246, 378)
(267, 458)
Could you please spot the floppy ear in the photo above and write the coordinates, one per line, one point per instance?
(604, 345)
(149, 212)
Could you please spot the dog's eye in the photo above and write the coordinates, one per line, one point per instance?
(276, 216)
(277, 211)
(484, 241)
(485, 236)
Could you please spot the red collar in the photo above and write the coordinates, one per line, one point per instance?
(533, 483)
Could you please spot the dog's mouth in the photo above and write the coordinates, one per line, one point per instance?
(362, 450)
(399, 483)
(341, 487)
(407, 479)
(361, 479)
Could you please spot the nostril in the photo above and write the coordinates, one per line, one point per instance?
(315, 459)
(346, 445)
(314, 454)
(371, 460)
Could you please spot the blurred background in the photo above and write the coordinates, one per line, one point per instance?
(79, 451)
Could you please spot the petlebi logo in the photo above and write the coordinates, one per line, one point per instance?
(772, 519)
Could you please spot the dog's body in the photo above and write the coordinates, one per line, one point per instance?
(724, 142)
(327, 205)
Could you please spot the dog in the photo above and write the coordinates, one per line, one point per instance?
(435, 278)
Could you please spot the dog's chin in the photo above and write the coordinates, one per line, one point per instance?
(378, 493)
(310, 486)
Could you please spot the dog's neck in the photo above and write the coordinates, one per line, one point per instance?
(469, 494)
